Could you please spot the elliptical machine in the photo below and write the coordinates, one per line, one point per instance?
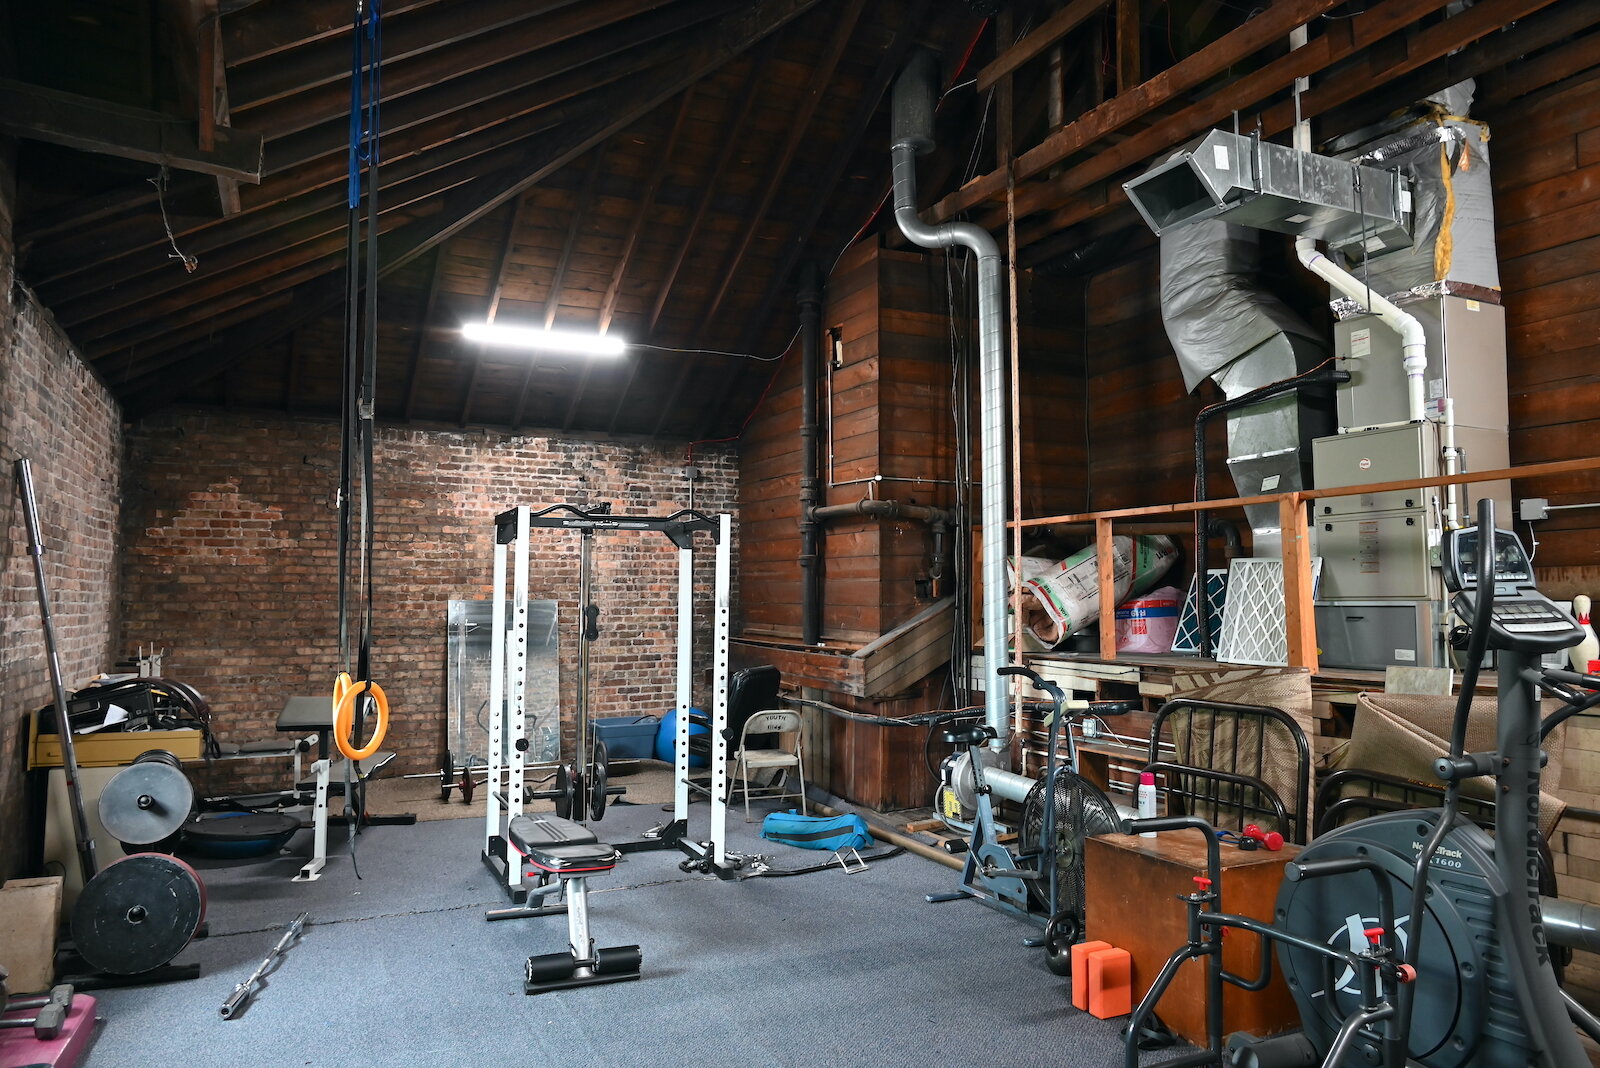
(1482, 991)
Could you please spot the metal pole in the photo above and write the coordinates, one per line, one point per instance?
(586, 633)
(69, 754)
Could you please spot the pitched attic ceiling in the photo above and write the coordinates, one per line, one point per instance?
(658, 168)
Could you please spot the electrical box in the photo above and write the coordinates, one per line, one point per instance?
(1376, 634)
(1466, 362)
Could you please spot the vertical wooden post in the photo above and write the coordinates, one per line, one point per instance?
(1004, 143)
(1130, 29)
(1108, 588)
(1299, 614)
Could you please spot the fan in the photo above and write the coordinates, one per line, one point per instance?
(1081, 809)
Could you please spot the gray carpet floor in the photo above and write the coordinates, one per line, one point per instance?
(399, 967)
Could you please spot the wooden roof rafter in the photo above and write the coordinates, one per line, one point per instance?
(497, 282)
(799, 126)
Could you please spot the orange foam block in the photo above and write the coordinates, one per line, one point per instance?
(1110, 983)
(1080, 971)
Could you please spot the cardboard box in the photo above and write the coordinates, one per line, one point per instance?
(30, 912)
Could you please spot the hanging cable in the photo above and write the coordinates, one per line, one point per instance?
(355, 694)
(160, 182)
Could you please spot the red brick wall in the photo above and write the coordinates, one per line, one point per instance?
(231, 562)
(57, 414)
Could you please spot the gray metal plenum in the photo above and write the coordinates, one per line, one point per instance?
(913, 132)
(1225, 325)
(1362, 210)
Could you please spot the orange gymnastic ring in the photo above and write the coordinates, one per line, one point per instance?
(341, 683)
(344, 713)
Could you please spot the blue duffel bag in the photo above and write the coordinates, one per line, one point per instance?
(817, 832)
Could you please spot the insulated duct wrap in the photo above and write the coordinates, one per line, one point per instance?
(1447, 157)
(1212, 303)
(1223, 325)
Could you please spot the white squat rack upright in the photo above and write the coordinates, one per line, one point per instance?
(508, 665)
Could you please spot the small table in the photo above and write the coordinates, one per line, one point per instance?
(1132, 886)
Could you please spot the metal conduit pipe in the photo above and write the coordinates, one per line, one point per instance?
(939, 519)
(913, 107)
(810, 348)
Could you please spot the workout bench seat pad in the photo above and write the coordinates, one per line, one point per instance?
(560, 846)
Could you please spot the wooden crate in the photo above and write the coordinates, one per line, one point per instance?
(1130, 902)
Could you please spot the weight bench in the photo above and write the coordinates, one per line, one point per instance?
(552, 847)
(316, 714)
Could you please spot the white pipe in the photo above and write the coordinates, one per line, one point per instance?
(1413, 342)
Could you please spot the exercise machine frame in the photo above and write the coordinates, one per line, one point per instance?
(508, 721)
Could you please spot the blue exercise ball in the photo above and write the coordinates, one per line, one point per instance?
(667, 737)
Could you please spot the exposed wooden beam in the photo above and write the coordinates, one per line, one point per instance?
(1558, 23)
(1574, 57)
(731, 138)
(256, 30)
(516, 87)
(828, 180)
(531, 42)
(614, 110)
(799, 126)
(90, 125)
(1270, 27)
(1344, 40)
(414, 374)
(575, 221)
(1130, 44)
(647, 201)
(325, 60)
(822, 77)
(608, 303)
(1049, 32)
(497, 281)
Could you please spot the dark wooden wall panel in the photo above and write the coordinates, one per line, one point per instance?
(1546, 167)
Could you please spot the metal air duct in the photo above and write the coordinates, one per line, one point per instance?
(915, 97)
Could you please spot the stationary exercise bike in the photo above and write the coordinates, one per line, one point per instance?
(1459, 975)
(1044, 880)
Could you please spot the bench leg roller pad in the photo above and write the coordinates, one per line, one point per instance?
(558, 971)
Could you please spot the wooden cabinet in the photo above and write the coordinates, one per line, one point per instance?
(1132, 889)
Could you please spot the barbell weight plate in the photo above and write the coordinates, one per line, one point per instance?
(447, 774)
(138, 913)
(147, 801)
(564, 791)
(597, 787)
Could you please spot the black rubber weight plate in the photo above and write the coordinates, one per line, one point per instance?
(137, 914)
(146, 802)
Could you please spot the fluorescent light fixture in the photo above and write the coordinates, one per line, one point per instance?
(527, 337)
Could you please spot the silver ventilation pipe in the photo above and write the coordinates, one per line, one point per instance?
(914, 102)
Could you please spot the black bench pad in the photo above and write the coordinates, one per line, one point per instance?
(560, 846)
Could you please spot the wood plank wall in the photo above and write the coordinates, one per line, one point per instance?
(1545, 156)
(891, 403)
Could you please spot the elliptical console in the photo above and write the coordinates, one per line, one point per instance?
(1521, 618)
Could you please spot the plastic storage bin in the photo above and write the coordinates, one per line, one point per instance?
(631, 737)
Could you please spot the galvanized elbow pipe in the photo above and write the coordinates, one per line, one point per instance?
(992, 402)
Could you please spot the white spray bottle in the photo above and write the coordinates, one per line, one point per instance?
(1147, 800)
(1588, 649)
